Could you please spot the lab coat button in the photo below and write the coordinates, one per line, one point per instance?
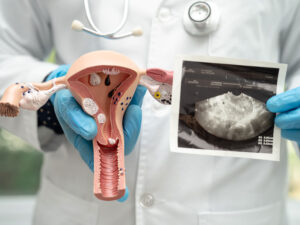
(164, 14)
(146, 200)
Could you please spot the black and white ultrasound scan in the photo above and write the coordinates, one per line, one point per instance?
(219, 107)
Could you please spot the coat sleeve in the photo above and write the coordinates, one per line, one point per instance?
(290, 46)
(290, 42)
(25, 42)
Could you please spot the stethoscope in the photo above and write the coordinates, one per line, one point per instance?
(200, 18)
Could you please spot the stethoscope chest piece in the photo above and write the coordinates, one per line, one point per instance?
(201, 17)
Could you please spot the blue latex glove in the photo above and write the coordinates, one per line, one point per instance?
(287, 104)
(80, 128)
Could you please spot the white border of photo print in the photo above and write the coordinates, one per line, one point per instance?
(177, 82)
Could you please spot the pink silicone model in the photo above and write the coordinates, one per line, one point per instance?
(103, 83)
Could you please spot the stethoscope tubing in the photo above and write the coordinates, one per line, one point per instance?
(192, 26)
(110, 35)
(107, 36)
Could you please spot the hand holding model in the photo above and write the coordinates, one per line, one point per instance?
(105, 85)
(287, 104)
(80, 128)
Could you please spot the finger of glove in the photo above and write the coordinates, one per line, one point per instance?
(71, 112)
(138, 96)
(291, 134)
(59, 72)
(288, 120)
(284, 101)
(84, 147)
(125, 196)
(131, 127)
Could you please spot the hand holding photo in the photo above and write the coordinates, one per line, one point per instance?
(219, 107)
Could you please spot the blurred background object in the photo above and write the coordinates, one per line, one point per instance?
(294, 185)
(19, 166)
(294, 173)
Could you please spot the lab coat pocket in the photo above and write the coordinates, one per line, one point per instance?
(55, 206)
(265, 215)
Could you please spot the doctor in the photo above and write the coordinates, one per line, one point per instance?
(165, 188)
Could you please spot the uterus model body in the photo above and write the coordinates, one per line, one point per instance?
(103, 83)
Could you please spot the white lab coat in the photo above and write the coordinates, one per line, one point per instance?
(166, 188)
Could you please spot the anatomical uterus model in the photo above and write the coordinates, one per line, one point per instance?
(103, 83)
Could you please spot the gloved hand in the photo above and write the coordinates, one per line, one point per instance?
(80, 128)
(287, 104)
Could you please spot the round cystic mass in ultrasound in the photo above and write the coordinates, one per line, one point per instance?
(233, 117)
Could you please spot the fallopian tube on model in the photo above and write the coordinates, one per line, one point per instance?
(103, 83)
